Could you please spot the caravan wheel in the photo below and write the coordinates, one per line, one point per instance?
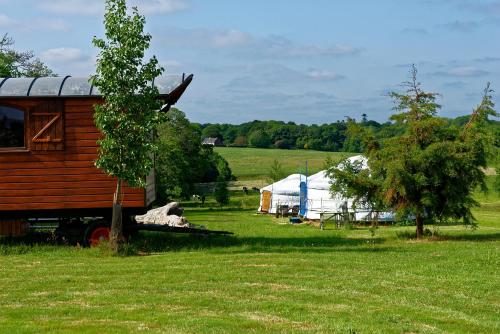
(96, 233)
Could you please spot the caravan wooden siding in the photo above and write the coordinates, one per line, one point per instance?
(56, 169)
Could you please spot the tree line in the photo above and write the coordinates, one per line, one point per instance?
(345, 135)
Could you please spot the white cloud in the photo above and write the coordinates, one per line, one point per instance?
(69, 61)
(265, 77)
(33, 24)
(461, 26)
(63, 54)
(324, 75)
(487, 59)
(48, 24)
(467, 71)
(6, 21)
(416, 31)
(242, 44)
(455, 84)
(80, 7)
(170, 66)
(278, 46)
(490, 8)
(230, 38)
(464, 71)
(96, 7)
(160, 6)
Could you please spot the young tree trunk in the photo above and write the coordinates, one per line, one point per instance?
(116, 238)
(420, 226)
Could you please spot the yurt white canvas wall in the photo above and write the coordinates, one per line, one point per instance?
(319, 198)
(283, 192)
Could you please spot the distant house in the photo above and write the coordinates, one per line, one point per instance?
(209, 141)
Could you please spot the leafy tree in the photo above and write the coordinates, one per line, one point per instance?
(430, 171)
(212, 131)
(130, 109)
(240, 141)
(20, 64)
(181, 159)
(260, 139)
(282, 144)
(354, 139)
(221, 191)
(179, 163)
(229, 133)
(214, 166)
(276, 172)
(364, 118)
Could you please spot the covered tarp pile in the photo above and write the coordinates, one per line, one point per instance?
(170, 215)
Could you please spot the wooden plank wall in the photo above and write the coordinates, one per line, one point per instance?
(65, 179)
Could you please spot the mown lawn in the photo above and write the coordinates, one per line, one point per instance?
(270, 277)
(254, 163)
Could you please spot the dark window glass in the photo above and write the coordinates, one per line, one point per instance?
(11, 127)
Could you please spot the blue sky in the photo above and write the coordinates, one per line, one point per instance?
(313, 61)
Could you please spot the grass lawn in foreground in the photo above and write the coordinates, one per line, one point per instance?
(270, 277)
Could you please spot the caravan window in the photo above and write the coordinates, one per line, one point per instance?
(11, 127)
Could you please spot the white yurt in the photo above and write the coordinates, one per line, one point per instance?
(282, 192)
(316, 195)
(319, 198)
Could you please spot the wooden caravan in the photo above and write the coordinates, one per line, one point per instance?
(48, 145)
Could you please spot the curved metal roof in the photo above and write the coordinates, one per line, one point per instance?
(74, 86)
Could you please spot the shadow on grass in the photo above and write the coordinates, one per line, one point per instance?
(155, 242)
(34, 242)
(472, 236)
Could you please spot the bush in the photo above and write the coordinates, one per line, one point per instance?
(282, 144)
(240, 141)
(221, 192)
(259, 139)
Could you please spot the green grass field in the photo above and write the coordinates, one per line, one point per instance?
(254, 163)
(269, 277)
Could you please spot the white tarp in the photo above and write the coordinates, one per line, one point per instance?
(170, 214)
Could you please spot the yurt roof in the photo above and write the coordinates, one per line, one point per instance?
(319, 181)
(289, 185)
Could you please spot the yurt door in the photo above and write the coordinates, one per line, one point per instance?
(266, 201)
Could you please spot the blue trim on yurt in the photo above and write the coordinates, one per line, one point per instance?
(303, 198)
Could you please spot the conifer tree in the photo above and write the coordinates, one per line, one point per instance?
(430, 171)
